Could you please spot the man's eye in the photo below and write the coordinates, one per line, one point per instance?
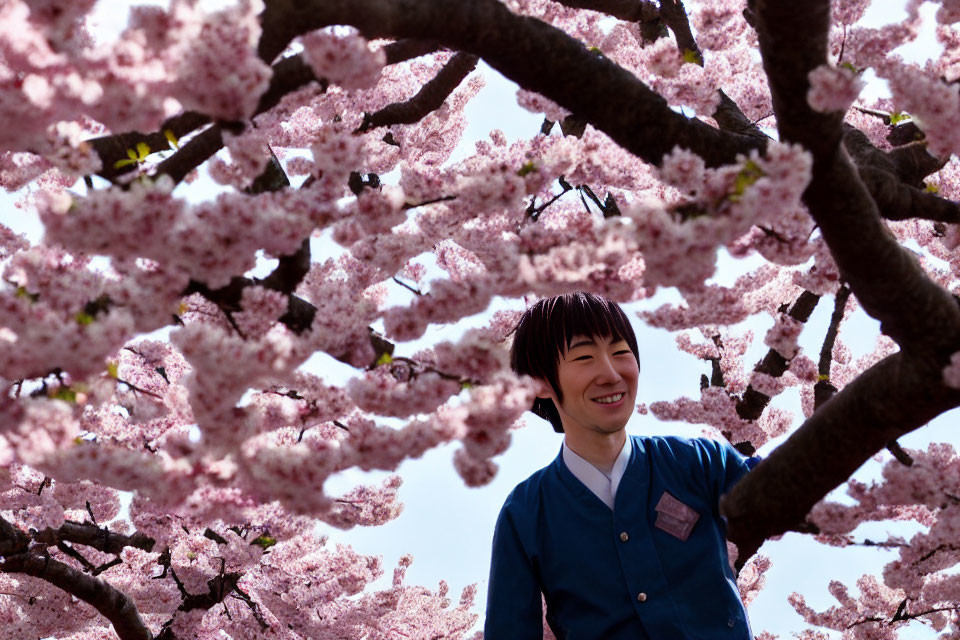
(582, 358)
(624, 352)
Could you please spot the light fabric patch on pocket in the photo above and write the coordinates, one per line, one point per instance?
(674, 517)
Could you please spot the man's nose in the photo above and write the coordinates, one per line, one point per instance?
(607, 373)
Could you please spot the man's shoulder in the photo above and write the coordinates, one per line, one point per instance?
(680, 449)
(670, 444)
(528, 494)
(528, 491)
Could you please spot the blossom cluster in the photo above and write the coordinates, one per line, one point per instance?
(922, 575)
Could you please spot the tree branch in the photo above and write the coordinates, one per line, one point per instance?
(895, 396)
(902, 456)
(408, 49)
(884, 276)
(91, 535)
(823, 390)
(428, 99)
(900, 393)
(729, 117)
(114, 147)
(898, 201)
(12, 539)
(289, 74)
(285, 278)
(631, 10)
(592, 87)
(112, 603)
(674, 15)
(191, 155)
(895, 179)
(753, 403)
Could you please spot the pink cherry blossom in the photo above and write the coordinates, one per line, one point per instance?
(833, 88)
(343, 60)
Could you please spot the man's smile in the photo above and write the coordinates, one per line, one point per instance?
(611, 399)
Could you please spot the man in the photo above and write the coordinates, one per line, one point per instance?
(622, 535)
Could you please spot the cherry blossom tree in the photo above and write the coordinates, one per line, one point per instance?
(163, 445)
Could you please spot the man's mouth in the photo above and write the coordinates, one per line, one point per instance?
(611, 399)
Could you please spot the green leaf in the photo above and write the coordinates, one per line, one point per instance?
(264, 542)
(527, 168)
(143, 150)
(750, 173)
(64, 393)
(898, 117)
(849, 67)
(466, 384)
(23, 293)
(113, 370)
(931, 188)
(138, 155)
(691, 56)
(171, 138)
(83, 318)
(385, 358)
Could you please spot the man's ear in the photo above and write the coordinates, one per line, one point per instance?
(544, 390)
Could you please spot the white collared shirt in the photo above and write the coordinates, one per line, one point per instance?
(602, 485)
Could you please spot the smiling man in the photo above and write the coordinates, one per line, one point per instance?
(621, 535)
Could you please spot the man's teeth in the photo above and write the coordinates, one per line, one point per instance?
(609, 399)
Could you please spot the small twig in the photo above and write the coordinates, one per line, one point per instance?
(823, 390)
(826, 351)
(407, 286)
(106, 565)
(534, 212)
(894, 447)
(583, 199)
(886, 544)
(76, 555)
(415, 368)
(933, 552)
(137, 389)
(883, 115)
(240, 594)
(753, 403)
(410, 205)
(176, 580)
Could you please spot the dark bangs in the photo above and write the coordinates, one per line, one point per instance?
(546, 330)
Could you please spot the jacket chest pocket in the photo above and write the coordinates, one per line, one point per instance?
(675, 516)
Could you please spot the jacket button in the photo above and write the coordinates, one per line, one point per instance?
(641, 597)
(624, 537)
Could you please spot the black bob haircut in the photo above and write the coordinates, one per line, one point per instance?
(546, 330)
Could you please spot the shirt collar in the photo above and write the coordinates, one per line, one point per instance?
(599, 484)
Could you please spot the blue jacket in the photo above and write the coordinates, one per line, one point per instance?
(614, 575)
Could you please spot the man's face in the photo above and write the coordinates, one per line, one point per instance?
(598, 380)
